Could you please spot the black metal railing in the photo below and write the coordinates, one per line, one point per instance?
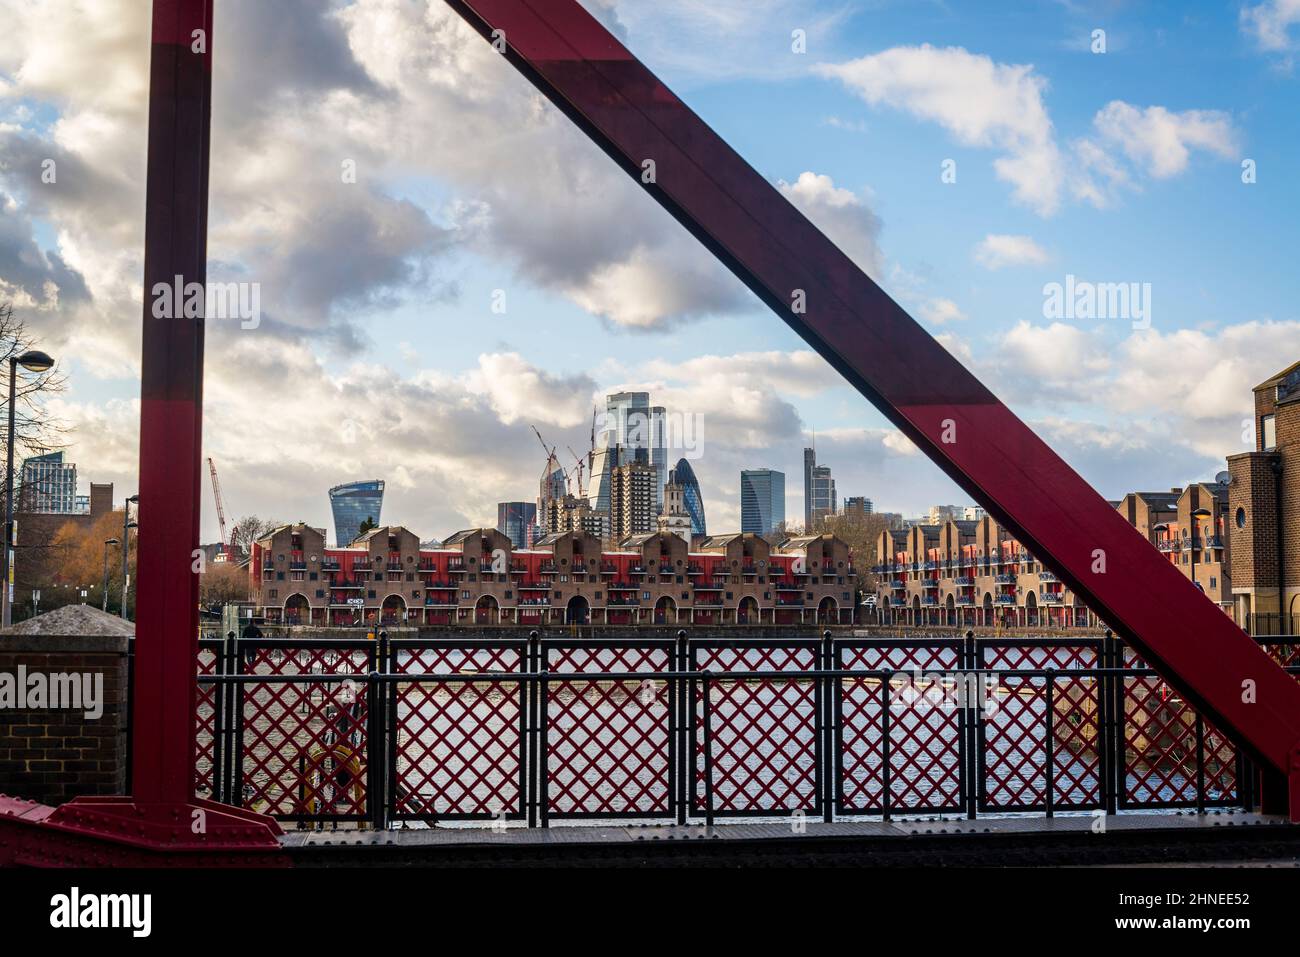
(392, 731)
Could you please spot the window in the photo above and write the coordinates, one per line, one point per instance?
(1268, 429)
(464, 594)
(1241, 517)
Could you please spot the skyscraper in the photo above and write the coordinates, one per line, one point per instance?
(762, 500)
(631, 500)
(631, 425)
(691, 496)
(48, 484)
(353, 504)
(818, 491)
(516, 520)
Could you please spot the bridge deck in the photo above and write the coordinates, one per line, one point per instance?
(1011, 841)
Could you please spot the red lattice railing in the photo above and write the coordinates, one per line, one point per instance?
(304, 744)
(1016, 743)
(762, 742)
(459, 746)
(205, 723)
(1160, 748)
(924, 731)
(882, 727)
(608, 748)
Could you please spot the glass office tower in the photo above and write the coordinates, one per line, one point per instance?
(353, 504)
(762, 500)
(691, 495)
(516, 520)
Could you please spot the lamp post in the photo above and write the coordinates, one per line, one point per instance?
(127, 525)
(32, 361)
(107, 543)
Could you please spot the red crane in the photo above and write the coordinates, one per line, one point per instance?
(221, 511)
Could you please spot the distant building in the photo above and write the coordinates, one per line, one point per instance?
(571, 514)
(691, 496)
(36, 562)
(857, 505)
(48, 485)
(762, 500)
(634, 430)
(818, 491)
(675, 519)
(516, 521)
(939, 514)
(353, 504)
(632, 498)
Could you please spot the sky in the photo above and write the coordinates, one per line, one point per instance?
(443, 263)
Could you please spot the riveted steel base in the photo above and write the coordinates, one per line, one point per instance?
(117, 832)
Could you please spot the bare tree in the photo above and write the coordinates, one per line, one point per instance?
(249, 529)
(36, 431)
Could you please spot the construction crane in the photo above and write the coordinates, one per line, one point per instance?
(580, 466)
(226, 550)
(552, 465)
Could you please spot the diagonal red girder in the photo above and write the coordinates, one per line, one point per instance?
(740, 217)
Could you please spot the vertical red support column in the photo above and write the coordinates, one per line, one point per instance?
(171, 403)
(162, 815)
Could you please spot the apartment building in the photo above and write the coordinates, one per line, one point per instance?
(976, 574)
(476, 577)
(1263, 526)
(969, 574)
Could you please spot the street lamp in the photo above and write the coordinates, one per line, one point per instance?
(32, 361)
(107, 542)
(127, 525)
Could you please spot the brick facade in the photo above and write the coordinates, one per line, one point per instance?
(1264, 510)
(51, 756)
(477, 578)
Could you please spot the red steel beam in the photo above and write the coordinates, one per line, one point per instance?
(171, 404)
(872, 341)
(162, 821)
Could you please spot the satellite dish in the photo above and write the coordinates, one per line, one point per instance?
(1224, 478)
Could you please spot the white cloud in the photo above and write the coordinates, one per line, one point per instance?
(841, 214)
(517, 390)
(996, 251)
(939, 311)
(980, 102)
(1160, 141)
(898, 443)
(1270, 23)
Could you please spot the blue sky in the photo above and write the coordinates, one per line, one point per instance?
(384, 357)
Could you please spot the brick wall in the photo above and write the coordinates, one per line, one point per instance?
(53, 755)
